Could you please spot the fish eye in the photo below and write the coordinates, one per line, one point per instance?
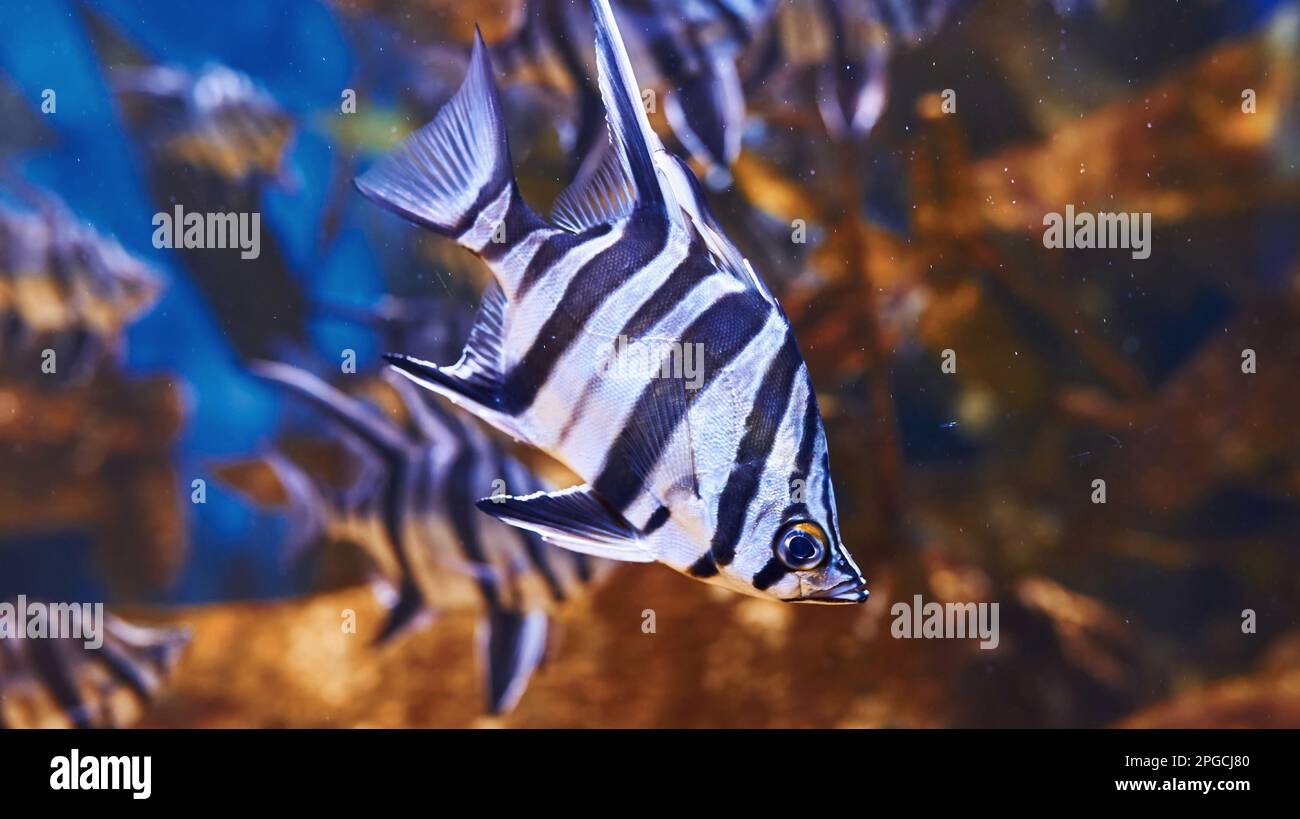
(801, 546)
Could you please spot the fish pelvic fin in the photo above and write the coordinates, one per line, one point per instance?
(576, 519)
(454, 176)
(512, 644)
(409, 613)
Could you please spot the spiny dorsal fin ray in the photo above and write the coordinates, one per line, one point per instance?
(598, 196)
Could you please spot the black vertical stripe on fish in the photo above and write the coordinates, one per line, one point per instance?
(410, 598)
(704, 567)
(643, 240)
(519, 221)
(692, 270)
(725, 328)
(770, 574)
(581, 565)
(803, 460)
(736, 23)
(826, 498)
(668, 54)
(747, 468)
(657, 519)
(534, 548)
(688, 274)
(460, 509)
(552, 250)
(486, 196)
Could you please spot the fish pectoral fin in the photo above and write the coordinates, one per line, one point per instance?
(512, 644)
(574, 518)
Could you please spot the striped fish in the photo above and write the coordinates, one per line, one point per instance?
(412, 510)
(583, 341)
(50, 682)
(691, 48)
(65, 287)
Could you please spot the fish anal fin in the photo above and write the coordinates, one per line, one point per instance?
(474, 382)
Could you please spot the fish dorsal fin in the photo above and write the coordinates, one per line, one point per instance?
(635, 142)
(599, 196)
(575, 518)
(364, 424)
(439, 174)
(695, 208)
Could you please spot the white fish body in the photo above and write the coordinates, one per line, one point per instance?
(584, 348)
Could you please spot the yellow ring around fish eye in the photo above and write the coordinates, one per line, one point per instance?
(801, 546)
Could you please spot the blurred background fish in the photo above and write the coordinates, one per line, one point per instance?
(65, 289)
(411, 507)
(58, 682)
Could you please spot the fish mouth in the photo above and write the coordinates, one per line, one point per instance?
(850, 591)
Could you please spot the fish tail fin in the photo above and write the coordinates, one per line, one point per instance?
(454, 175)
(513, 644)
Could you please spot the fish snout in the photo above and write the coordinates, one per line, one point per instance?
(853, 590)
